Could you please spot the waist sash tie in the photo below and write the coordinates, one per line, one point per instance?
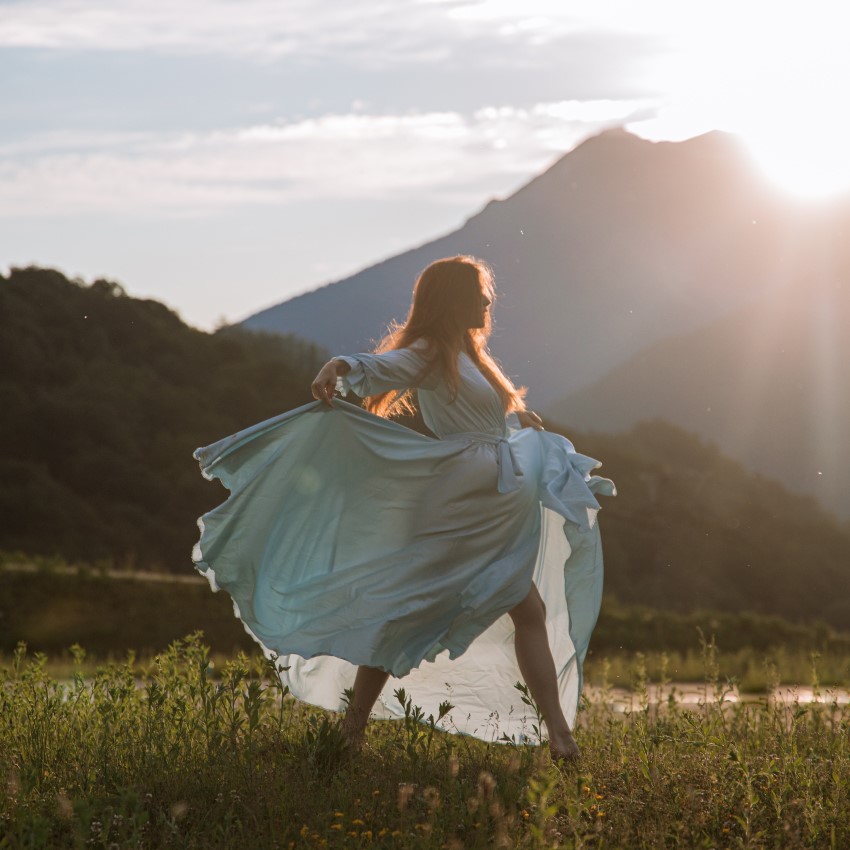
(509, 468)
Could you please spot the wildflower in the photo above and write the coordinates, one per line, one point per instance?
(336, 826)
(63, 806)
(486, 783)
(339, 814)
(304, 830)
(376, 793)
(525, 814)
(357, 822)
(405, 791)
(432, 797)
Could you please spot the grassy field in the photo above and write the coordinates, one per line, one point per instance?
(169, 755)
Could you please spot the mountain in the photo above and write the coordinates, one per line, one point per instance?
(621, 243)
(769, 384)
(643, 280)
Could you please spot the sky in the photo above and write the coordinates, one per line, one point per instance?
(223, 156)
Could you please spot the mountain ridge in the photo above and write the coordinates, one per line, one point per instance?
(767, 383)
(619, 245)
(556, 268)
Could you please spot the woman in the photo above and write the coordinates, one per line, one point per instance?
(355, 548)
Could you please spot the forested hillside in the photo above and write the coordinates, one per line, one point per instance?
(690, 528)
(104, 398)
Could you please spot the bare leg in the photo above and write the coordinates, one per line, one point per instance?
(534, 656)
(368, 683)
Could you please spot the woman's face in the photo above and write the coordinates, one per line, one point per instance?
(482, 305)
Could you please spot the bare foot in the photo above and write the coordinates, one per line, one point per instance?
(354, 736)
(564, 748)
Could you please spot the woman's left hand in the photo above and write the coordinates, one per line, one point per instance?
(529, 419)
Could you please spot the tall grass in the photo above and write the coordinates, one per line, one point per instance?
(177, 754)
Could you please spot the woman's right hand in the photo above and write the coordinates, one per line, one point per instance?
(324, 384)
(529, 419)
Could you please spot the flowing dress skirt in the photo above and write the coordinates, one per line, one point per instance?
(349, 539)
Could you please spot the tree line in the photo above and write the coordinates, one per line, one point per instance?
(104, 397)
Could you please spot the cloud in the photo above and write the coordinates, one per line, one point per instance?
(369, 33)
(414, 30)
(434, 155)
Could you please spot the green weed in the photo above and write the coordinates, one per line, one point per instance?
(179, 752)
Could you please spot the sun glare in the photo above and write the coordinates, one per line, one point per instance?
(815, 165)
(774, 74)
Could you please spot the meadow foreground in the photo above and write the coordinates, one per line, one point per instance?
(174, 756)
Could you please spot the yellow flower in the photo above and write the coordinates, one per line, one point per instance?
(339, 814)
(336, 826)
(357, 822)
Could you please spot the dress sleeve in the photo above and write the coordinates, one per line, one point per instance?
(399, 369)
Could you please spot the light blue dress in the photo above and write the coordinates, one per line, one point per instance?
(350, 539)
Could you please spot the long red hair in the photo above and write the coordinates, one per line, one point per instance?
(446, 300)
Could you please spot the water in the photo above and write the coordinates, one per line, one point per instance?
(689, 693)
